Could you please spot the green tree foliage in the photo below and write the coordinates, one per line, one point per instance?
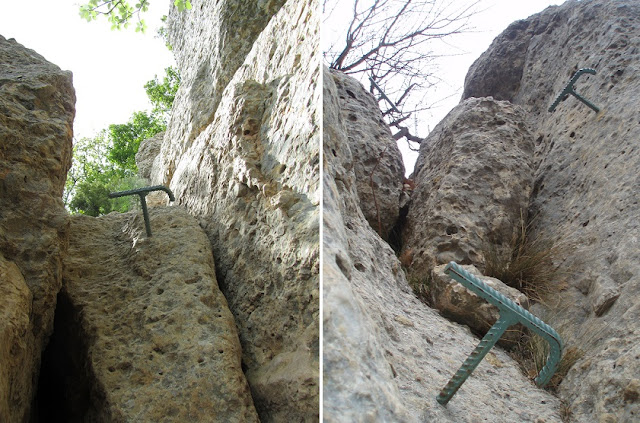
(92, 177)
(162, 94)
(125, 139)
(106, 162)
(121, 12)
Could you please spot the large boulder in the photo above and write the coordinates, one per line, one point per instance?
(377, 161)
(37, 107)
(586, 185)
(473, 177)
(242, 154)
(386, 355)
(143, 333)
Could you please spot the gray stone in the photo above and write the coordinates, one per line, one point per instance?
(376, 158)
(473, 179)
(37, 107)
(457, 303)
(586, 184)
(147, 153)
(151, 332)
(242, 154)
(386, 355)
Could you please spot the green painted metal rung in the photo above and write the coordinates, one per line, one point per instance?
(510, 314)
(142, 192)
(570, 89)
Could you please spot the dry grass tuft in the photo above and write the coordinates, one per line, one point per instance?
(421, 286)
(526, 264)
(532, 355)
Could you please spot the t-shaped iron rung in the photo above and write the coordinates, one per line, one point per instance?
(510, 314)
(570, 89)
(142, 192)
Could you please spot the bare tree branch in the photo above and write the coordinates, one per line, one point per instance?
(393, 42)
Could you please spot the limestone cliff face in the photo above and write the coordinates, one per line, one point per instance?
(37, 107)
(473, 179)
(377, 160)
(386, 355)
(143, 332)
(586, 183)
(241, 153)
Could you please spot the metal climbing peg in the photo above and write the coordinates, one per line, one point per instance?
(510, 314)
(570, 89)
(142, 192)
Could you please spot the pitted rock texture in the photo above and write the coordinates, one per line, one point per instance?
(473, 179)
(586, 185)
(143, 332)
(37, 107)
(147, 153)
(386, 355)
(377, 159)
(250, 173)
(457, 303)
(219, 34)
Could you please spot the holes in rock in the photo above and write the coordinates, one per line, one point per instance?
(351, 94)
(572, 134)
(342, 266)
(451, 230)
(334, 153)
(360, 267)
(353, 117)
(66, 387)
(395, 235)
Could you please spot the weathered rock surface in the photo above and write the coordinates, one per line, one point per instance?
(586, 184)
(210, 42)
(376, 158)
(457, 303)
(242, 154)
(386, 355)
(473, 178)
(143, 332)
(37, 107)
(147, 153)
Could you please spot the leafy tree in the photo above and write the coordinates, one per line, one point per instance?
(390, 43)
(162, 94)
(121, 12)
(106, 162)
(126, 138)
(92, 177)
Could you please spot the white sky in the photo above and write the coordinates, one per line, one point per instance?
(109, 68)
(495, 17)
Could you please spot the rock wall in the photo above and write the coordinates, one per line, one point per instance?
(586, 183)
(241, 153)
(37, 107)
(143, 332)
(473, 179)
(376, 158)
(386, 355)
